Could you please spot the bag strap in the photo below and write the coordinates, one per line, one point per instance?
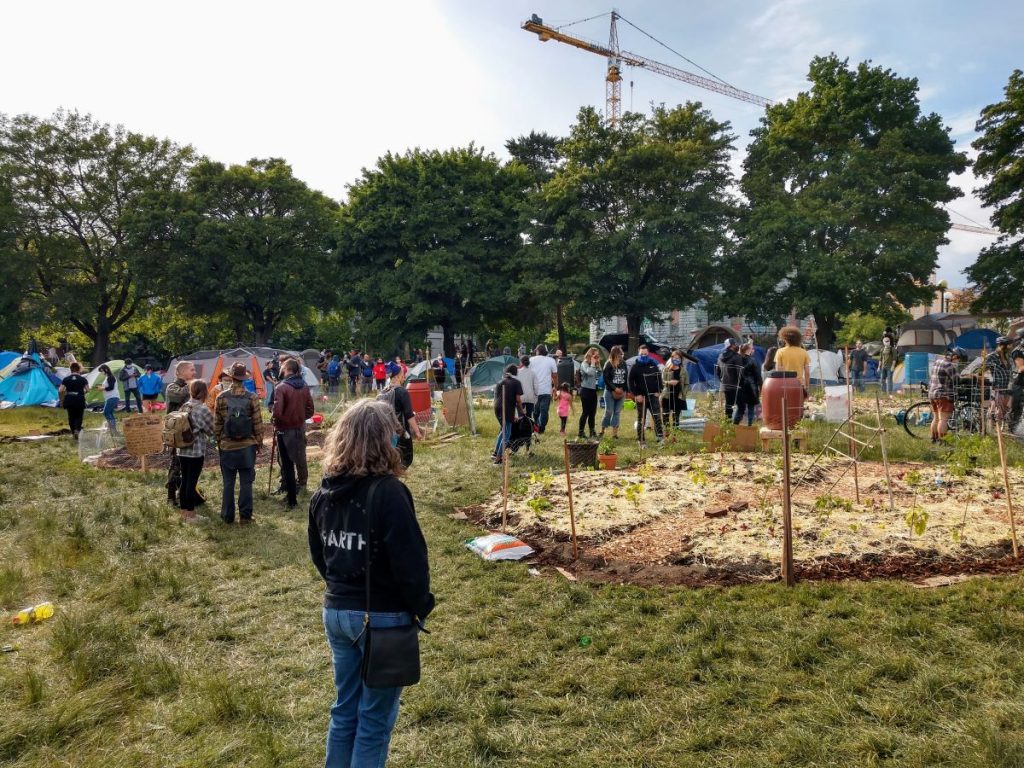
(369, 547)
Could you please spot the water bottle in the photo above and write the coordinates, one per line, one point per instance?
(938, 478)
(33, 615)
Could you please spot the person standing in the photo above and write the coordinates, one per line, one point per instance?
(129, 376)
(673, 393)
(192, 457)
(728, 368)
(439, 371)
(525, 377)
(942, 381)
(398, 396)
(1017, 391)
(238, 427)
(645, 384)
(590, 369)
(149, 386)
(508, 406)
(293, 404)
(748, 393)
(545, 376)
(333, 374)
(352, 368)
(176, 395)
(792, 356)
(387, 558)
(615, 384)
(270, 379)
(858, 365)
(998, 364)
(111, 398)
(886, 364)
(380, 375)
(72, 395)
(366, 373)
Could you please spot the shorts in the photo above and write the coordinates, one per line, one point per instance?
(150, 397)
(942, 405)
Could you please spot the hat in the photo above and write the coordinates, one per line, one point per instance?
(1002, 340)
(149, 367)
(238, 372)
(731, 342)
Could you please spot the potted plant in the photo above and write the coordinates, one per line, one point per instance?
(606, 453)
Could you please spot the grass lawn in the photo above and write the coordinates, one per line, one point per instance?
(202, 646)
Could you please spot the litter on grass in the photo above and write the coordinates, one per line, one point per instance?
(498, 546)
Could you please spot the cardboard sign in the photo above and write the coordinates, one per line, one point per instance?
(745, 438)
(456, 407)
(143, 434)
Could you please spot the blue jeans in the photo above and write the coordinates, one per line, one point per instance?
(240, 462)
(540, 412)
(128, 393)
(612, 410)
(109, 406)
(361, 718)
(857, 379)
(886, 377)
(504, 435)
(742, 406)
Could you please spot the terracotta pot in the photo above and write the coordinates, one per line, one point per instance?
(608, 460)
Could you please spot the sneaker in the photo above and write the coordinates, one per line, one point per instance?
(643, 446)
(245, 521)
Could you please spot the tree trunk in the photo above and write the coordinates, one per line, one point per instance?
(101, 347)
(826, 325)
(449, 340)
(633, 323)
(560, 325)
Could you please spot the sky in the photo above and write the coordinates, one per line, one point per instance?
(331, 86)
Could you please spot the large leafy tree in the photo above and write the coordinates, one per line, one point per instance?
(427, 239)
(640, 211)
(844, 186)
(14, 269)
(74, 183)
(250, 242)
(999, 271)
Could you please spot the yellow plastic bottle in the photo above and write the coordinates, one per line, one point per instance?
(33, 615)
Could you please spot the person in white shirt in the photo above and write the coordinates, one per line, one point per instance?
(525, 377)
(545, 374)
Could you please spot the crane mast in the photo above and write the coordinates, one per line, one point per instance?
(616, 58)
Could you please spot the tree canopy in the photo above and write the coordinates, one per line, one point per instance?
(844, 186)
(999, 271)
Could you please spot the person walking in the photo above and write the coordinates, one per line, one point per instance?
(615, 387)
(398, 396)
(942, 380)
(293, 404)
(728, 368)
(72, 396)
(373, 559)
(590, 370)
(545, 375)
(508, 407)
(858, 365)
(886, 364)
(645, 384)
(192, 457)
(238, 427)
(149, 387)
(111, 398)
(175, 396)
(525, 378)
(564, 406)
(748, 393)
(129, 377)
(675, 383)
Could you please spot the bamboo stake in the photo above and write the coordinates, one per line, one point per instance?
(572, 509)
(787, 519)
(885, 453)
(505, 456)
(1006, 486)
(981, 390)
(853, 428)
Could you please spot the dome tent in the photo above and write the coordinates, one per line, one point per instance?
(712, 335)
(934, 332)
(488, 373)
(27, 384)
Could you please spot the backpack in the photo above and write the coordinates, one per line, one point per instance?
(177, 432)
(238, 424)
(334, 369)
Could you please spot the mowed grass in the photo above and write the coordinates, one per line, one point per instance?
(179, 645)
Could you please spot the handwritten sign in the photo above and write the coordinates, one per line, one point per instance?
(143, 434)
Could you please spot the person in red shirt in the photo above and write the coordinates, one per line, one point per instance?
(380, 374)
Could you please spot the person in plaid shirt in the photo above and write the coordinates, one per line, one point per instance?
(192, 456)
(942, 382)
(998, 365)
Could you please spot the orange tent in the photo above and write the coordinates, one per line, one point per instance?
(223, 363)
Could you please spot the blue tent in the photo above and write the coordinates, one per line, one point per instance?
(977, 339)
(7, 357)
(702, 373)
(28, 384)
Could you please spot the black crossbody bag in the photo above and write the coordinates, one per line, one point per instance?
(391, 655)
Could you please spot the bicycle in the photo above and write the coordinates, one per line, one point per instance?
(965, 419)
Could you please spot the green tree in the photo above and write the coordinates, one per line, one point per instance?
(844, 186)
(999, 271)
(427, 239)
(74, 183)
(250, 242)
(640, 211)
(15, 269)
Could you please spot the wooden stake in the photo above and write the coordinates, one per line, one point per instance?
(572, 509)
(1006, 486)
(144, 464)
(981, 390)
(270, 468)
(885, 453)
(787, 519)
(853, 428)
(504, 460)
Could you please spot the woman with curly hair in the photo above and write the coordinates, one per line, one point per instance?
(793, 357)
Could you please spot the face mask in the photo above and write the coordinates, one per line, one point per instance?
(643, 359)
(676, 361)
(394, 441)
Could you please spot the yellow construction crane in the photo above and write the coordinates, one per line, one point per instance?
(617, 58)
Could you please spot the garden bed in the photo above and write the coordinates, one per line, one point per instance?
(717, 519)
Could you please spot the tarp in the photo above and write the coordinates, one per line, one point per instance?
(487, 373)
(27, 384)
(977, 340)
(702, 373)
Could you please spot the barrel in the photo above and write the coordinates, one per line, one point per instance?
(419, 394)
(779, 384)
(915, 367)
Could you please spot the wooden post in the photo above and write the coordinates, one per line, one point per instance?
(144, 467)
(788, 577)
(885, 453)
(572, 509)
(981, 390)
(270, 468)
(1006, 486)
(853, 427)
(505, 455)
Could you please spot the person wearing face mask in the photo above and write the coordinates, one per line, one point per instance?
(675, 383)
(645, 384)
(886, 364)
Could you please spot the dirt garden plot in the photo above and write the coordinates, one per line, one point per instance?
(706, 519)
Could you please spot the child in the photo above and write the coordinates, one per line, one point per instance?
(564, 404)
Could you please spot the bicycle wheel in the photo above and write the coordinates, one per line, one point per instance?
(966, 419)
(917, 420)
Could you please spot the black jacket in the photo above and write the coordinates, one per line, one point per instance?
(645, 379)
(728, 368)
(399, 576)
(750, 381)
